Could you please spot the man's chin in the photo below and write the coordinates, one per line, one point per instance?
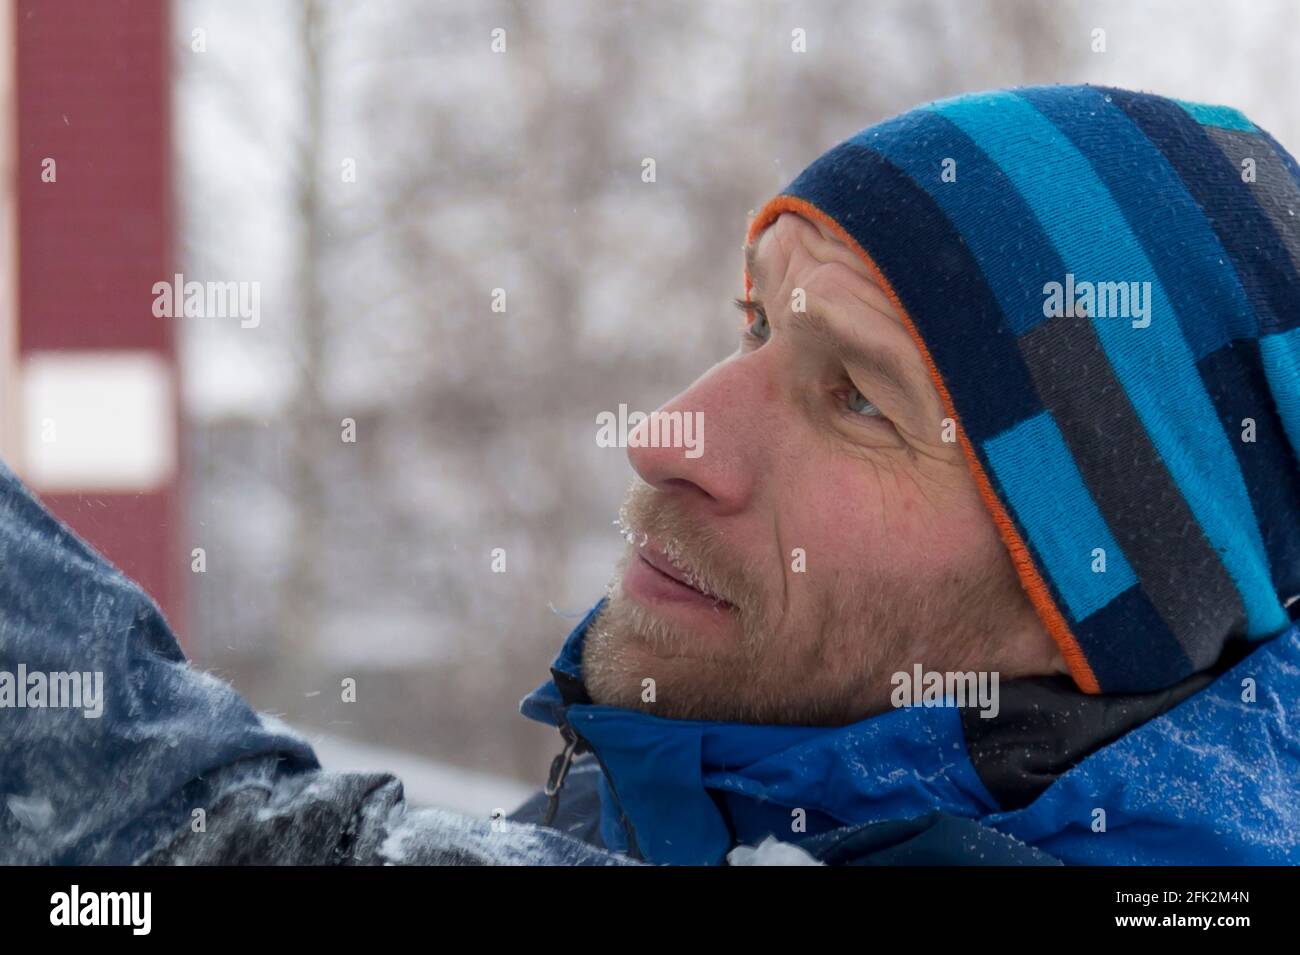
(628, 644)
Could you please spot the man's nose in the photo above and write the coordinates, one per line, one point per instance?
(733, 417)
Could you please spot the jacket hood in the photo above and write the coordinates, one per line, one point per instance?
(1105, 287)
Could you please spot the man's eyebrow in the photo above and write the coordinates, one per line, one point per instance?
(874, 361)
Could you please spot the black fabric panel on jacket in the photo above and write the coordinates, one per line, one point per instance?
(1046, 725)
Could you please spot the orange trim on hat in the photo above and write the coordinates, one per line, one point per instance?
(1030, 579)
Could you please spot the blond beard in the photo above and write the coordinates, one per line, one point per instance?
(834, 672)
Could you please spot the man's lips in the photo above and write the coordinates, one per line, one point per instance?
(659, 564)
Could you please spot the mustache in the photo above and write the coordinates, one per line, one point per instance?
(649, 515)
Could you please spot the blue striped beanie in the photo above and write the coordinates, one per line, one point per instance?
(1105, 287)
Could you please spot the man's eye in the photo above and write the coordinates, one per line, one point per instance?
(860, 405)
(756, 326)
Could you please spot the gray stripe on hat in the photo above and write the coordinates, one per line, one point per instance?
(1274, 188)
(1175, 563)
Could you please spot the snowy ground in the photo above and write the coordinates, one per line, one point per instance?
(427, 783)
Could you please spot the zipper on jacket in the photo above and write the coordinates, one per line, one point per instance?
(559, 772)
(574, 745)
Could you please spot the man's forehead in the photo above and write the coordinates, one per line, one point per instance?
(753, 273)
(764, 257)
(822, 244)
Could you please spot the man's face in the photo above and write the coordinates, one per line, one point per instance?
(827, 537)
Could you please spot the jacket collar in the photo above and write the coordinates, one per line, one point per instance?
(661, 775)
(1217, 767)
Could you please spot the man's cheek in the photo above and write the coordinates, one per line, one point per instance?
(831, 543)
(850, 525)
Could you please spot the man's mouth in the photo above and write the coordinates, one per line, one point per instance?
(651, 575)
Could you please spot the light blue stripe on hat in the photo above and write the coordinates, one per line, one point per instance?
(1225, 117)
(1041, 480)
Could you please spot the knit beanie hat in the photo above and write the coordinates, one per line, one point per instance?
(1105, 287)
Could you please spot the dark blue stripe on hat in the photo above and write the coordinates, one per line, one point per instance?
(1256, 251)
(1235, 380)
(1128, 645)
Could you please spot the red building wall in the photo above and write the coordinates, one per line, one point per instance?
(93, 94)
